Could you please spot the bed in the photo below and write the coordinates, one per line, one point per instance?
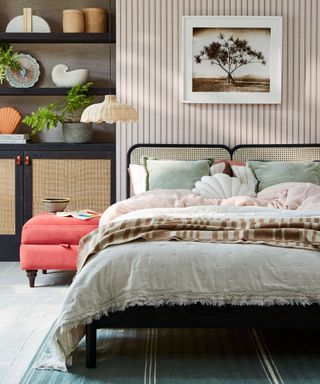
(236, 310)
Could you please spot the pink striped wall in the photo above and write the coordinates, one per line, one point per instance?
(148, 60)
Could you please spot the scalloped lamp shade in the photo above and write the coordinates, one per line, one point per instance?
(109, 111)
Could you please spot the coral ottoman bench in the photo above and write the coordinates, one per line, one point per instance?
(51, 242)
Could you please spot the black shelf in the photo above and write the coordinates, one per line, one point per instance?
(57, 38)
(50, 91)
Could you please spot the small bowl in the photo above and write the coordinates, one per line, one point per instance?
(53, 205)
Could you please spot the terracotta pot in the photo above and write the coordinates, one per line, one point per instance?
(95, 19)
(73, 21)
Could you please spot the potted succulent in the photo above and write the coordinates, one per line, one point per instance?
(67, 113)
(8, 60)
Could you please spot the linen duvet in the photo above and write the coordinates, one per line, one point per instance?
(174, 247)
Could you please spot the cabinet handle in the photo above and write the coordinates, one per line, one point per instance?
(18, 160)
(27, 160)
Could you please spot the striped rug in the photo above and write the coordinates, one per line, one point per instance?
(194, 356)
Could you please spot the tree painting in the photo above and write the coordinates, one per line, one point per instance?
(230, 55)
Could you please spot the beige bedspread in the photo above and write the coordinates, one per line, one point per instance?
(296, 232)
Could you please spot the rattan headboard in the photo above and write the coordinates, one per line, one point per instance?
(176, 152)
(294, 152)
(298, 152)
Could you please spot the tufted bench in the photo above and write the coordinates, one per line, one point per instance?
(51, 242)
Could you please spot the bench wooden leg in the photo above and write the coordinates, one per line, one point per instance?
(31, 276)
(91, 345)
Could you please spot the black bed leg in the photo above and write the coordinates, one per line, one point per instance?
(31, 276)
(91, 345)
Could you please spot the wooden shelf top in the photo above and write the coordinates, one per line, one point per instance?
(57, 38)
(7, 91)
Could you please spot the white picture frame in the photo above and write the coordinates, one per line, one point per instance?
(256, 45)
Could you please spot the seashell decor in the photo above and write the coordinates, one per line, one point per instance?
(27, 76)
(9, 120)
(39, 25)
(62, 77)
(221, 186)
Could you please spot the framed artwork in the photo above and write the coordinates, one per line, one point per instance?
(231, 59)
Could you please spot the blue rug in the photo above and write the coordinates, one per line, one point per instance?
(193, 356)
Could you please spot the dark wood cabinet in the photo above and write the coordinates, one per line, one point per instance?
(29, 172)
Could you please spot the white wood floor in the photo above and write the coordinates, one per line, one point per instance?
(26, 315)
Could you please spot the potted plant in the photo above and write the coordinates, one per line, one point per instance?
(8, 60)
(67, 113)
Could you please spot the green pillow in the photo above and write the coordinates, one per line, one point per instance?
(270, 173)
(175, 174)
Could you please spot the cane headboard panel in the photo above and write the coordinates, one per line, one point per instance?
(294, 153)
(178, 152)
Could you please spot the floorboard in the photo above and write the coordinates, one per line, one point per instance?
(26, 315)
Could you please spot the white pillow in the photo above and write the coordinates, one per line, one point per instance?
(138, 176)
(222, 186)
(245, 175)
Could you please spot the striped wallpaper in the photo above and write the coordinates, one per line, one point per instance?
(148, 61)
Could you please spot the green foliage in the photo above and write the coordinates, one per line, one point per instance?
(8, 60)
(44, 117)
(69, 109)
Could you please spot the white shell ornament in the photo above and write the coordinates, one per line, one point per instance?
(62, 77)
(27, 75)
(39, 25)
(221, 186)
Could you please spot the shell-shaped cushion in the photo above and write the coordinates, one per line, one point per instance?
(9, 120)
(221, 186)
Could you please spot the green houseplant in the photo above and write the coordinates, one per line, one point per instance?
(8, 60)
(66, 112)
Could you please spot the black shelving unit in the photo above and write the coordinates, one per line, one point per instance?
(54, 38)
(57, 38)
(6, 91)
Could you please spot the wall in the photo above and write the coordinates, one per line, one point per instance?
(148, 60)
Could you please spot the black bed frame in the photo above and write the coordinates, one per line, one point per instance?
(204, 316)
(200, 316)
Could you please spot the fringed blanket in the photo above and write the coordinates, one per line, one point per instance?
(298, 232)
(210, 268)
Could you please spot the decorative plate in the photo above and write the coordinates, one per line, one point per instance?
(39, 25)
(27, 76)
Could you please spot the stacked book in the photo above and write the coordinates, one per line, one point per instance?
(14, 139)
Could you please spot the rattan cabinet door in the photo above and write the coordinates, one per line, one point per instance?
(11, 200)
(84, 177)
